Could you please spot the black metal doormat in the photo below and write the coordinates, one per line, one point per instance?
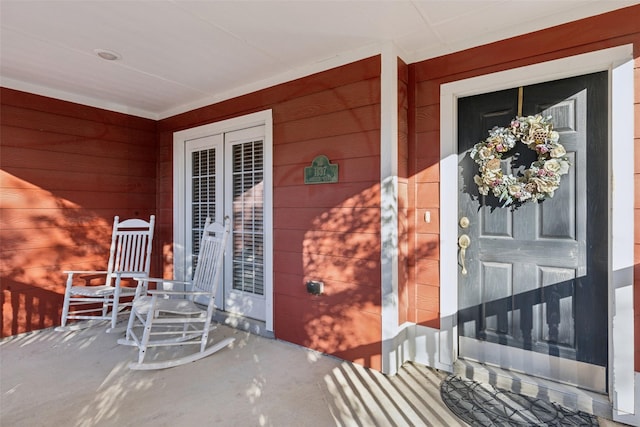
(484, 405)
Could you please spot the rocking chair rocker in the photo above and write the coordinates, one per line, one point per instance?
(170, 317)
(129, 258)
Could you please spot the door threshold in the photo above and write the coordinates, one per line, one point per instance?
(563, 394)
(256, 327)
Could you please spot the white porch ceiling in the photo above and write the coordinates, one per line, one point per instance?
(180, 54)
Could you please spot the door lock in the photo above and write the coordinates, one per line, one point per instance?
(463, 242)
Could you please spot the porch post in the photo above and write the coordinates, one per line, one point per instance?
(389, 207)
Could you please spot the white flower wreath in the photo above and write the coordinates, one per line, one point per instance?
(543, 176)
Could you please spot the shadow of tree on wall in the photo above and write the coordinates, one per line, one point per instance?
(35, 251)
(342, 247)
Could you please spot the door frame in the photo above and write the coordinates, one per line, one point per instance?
(259, 118)
(618, 61)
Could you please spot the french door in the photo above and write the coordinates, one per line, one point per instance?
(225, 177)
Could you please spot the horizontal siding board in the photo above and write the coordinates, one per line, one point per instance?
(339, 244)
(358, 71)
(288, 262)
(360, 340)
(45, 161)
(52, 180)
(34, 139)
(354, 295)
(326, 267)
(67, 243)
(427, 92)
(427, 246)
(356, 300)
(288, 175)
(334, 147)
(360, 169)
(291, 284)
(335, 294)
(19, 220)
(289, 311)
(340, 219)
(427, 146)
(44, 121)
(427, 118)
(428, 195)
(322, 196)
(430, 319)
(15, 98)
(100, 199)
(68, 256)
(354, 95)
(428, 272)
(340, 123)
(428, 298)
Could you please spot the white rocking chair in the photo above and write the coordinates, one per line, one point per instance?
(170, 317)
(129, 258)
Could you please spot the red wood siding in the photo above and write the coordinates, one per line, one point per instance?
(328, 232)
(424, 250)
(65, 171)
(599, 32)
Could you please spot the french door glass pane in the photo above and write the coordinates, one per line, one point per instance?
(203, 205)
(248, 217)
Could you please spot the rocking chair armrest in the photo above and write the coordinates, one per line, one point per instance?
(89, 275)
(157, 280)
(85, 272)
(143, 284)
(161, 292)
(86, 275)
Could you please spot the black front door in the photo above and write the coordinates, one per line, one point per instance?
(534, 296)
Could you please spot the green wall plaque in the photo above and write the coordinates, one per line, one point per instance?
(321, 171)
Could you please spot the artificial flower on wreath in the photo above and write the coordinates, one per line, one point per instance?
(537, 182)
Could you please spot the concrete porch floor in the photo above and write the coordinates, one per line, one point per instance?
(80, 378)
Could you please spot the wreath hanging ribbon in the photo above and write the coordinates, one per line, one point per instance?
(536, 183)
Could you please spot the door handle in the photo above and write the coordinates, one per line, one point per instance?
(463, 242)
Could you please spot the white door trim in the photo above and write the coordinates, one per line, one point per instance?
(255, 119)
(619, 62)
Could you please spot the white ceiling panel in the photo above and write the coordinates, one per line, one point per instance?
(447, 13)
(181, 54)
(473, 23)
(104, 80)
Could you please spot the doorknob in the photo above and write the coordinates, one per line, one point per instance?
(463, 242)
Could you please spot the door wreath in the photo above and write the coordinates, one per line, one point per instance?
(536, 183)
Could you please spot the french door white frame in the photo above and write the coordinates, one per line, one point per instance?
(179, 195)
(618, 62)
